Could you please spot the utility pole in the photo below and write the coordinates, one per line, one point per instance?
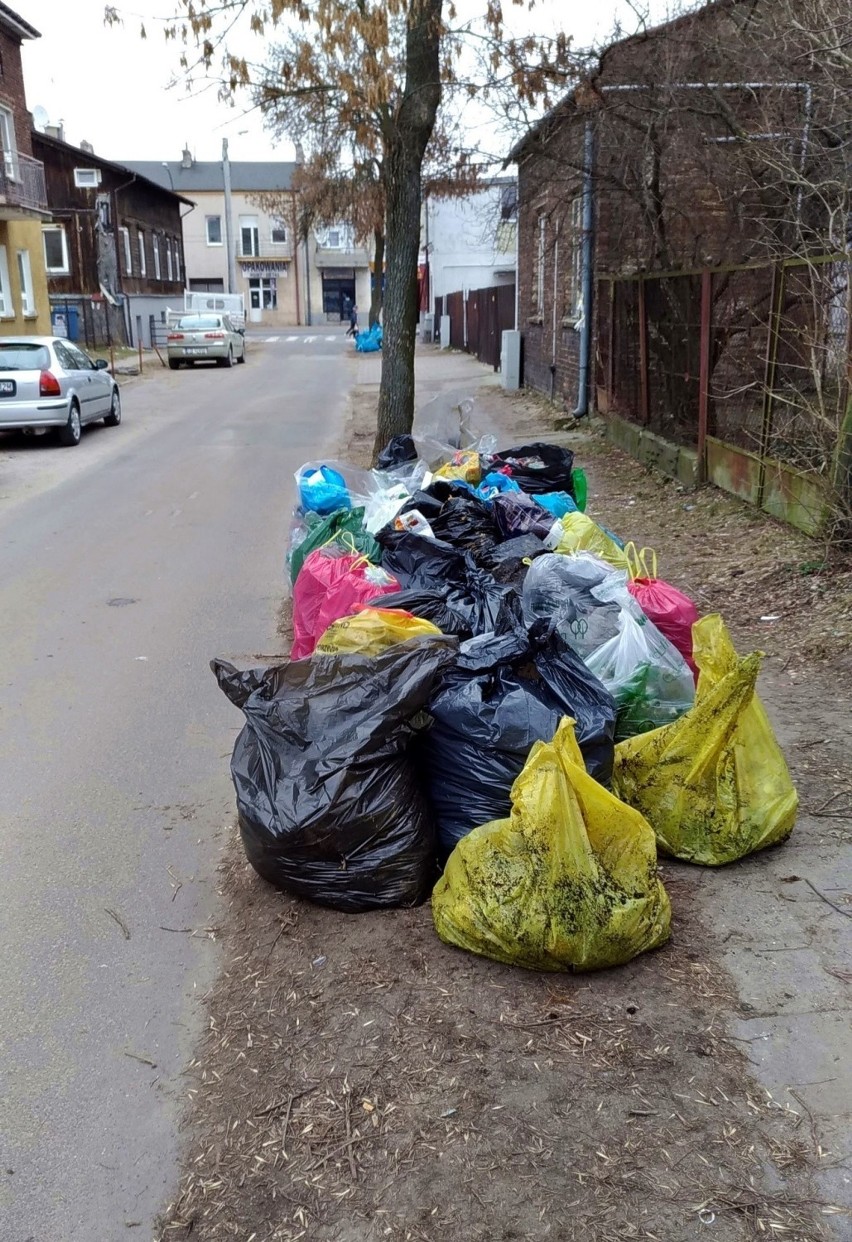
(229, 222)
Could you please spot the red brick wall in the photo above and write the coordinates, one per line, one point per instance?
(12, 93)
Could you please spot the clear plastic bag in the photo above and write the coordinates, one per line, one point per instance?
(562, 590)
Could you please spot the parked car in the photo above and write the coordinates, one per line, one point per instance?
(50, 383)
(198, 338)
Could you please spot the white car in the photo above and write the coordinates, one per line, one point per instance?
(202, 338)
(46, 382)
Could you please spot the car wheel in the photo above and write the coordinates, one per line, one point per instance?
(242, 356)
(70, 434)
(229, 361)
(174, 364)
(114, 417)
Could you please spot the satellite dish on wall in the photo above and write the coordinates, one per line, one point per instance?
(41, 118)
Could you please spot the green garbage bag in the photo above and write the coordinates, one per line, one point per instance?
(344, 525)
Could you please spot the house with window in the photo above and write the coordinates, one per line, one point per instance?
(340, 273)
(249, 249)
(113, 251)
(24, 305)
(469, 240)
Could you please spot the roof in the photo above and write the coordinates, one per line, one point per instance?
(544, 124)
(88, 159)
(10, 19)
(252, 176)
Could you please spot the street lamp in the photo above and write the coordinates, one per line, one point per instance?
(169, 171)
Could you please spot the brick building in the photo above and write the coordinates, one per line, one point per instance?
(690, 147)
(23, 203)
(114, 250)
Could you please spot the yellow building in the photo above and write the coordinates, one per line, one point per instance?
(24, 303)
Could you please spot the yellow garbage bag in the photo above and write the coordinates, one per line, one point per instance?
(584, 535)
(463, 465)
(714, 785)
(569, 881)
(372, 630)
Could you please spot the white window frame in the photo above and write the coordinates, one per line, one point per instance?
(207, 220)
(334, 245)
(128, 250)
(170, 274)
(87, 178)
(155, 247)
(9, 143)
(541, 249)
(65, 269)
(250, 224)
(575, 299)
(25, 276)
(6, 308)
(278, 226)
(143, 259)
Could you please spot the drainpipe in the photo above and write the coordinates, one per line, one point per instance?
(587, 265)
(229, 222)
(553, 327)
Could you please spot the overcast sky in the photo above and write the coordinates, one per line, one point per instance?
(112, 88)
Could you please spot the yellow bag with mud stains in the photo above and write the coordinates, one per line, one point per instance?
(584, 535)
(714, 785)
(373, 630)
(464, 465)
(569, 881)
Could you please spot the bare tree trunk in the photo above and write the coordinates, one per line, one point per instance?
(403, 166)
(379, 276)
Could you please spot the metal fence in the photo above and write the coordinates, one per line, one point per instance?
(756, 356)
(478, 320)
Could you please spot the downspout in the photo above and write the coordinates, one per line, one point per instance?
(229, 221)
(125, 296)
(587, 265)
(553, 328)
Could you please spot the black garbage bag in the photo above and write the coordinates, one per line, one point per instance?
(456, 516)
(509, 561)
(329, 803)
(536, 467)
(441, 584)
(502, 695)
(397, 451)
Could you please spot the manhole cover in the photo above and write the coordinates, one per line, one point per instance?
(121, 601)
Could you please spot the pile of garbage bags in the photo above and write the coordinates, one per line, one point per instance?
(493, 696)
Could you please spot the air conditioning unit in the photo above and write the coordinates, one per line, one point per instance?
(510, 361)
(427, 329)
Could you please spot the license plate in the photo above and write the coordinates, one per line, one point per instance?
(202, 350)
(8, 388)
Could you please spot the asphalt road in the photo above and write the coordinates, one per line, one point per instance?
(125, 564)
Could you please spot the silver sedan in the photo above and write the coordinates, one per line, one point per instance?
(198, 338)
(50, 383)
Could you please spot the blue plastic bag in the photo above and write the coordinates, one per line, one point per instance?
(557, 503)
(495, 484)
(322, 490)
(369, 342)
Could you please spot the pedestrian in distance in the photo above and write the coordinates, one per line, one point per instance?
(353, 321)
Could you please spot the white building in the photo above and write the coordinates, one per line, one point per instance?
(471, 241)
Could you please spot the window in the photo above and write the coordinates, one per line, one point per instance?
(55, 250)
(5, 288)
(143, 262)
(574, 308)
(205, 285)
(170, 275)
(263, 293)
(249, 236)
(155, 247)
(64, 356)
(81, 361)
(24, 356)
(334, 239)
(87, 178)
(10, 146)
(104, 211)
(538, 282)
(278, 234)
(25, 276)
(509, 202)
(128, 254)
(214, 230)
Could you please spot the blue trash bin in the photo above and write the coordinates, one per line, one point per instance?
(65, 321)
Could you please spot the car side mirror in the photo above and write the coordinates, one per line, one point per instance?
(101, 364)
